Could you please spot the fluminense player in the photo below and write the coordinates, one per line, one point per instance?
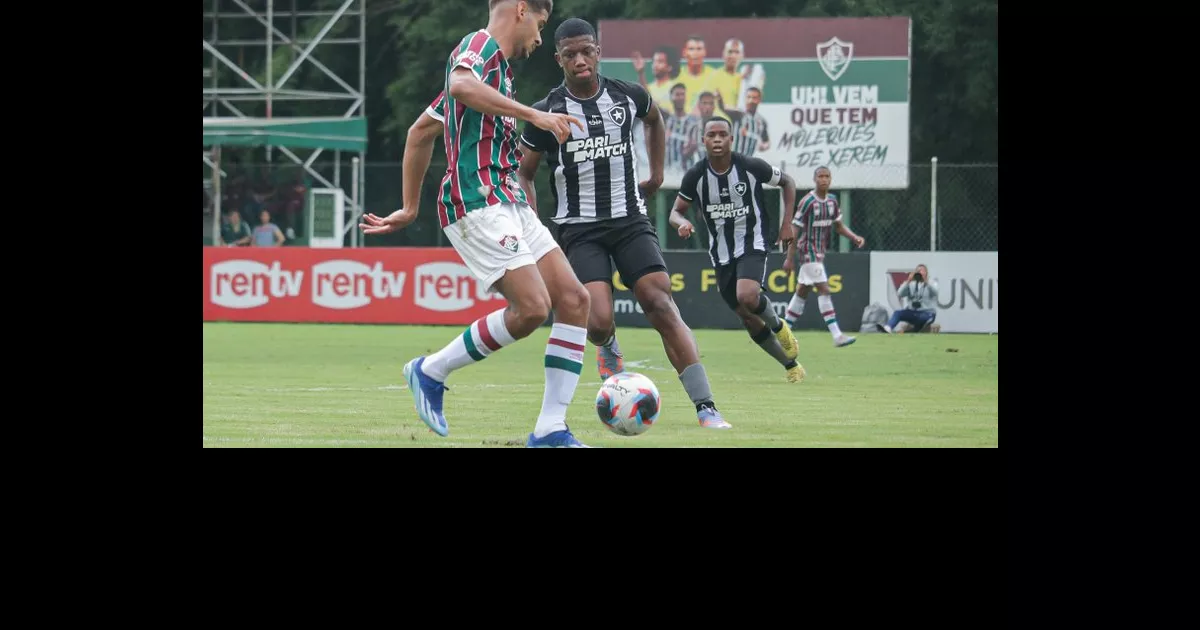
(816, 217)
(485, 216)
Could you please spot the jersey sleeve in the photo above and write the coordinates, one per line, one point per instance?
(537, 138)
(765, 172)
(641, 100)
(688, 187)
(803, 209)
(636, 92)
(837, 207)
(473, 53)
(437, 109)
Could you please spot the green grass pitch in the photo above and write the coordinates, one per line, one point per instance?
(324, 385)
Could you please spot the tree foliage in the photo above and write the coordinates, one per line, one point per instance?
(954, 60)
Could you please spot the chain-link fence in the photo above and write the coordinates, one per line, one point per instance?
(967, 201)
(958, 203)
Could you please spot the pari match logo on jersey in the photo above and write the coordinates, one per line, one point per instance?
(800, 92)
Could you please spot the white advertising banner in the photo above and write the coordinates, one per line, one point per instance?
(968, 286)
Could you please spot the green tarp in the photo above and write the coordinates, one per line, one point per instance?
(346, 134)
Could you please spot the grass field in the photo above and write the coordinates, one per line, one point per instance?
(293, 385)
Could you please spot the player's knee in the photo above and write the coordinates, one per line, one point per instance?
(748, 299)
(531, 312)
(657, 306)
(600, 324)
(573, 303)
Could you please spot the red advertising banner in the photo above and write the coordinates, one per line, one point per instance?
(372, 285)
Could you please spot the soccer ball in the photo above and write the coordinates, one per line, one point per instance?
(628, 403)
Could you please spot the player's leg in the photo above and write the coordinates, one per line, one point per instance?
(563, 360)
(588, 256)
(816, 273)
(641, 265)
(753, 267)
(795, 307)
(510, 268)
(602, 328)
(744, 295)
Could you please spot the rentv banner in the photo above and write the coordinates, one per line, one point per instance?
(968, 286)
(373, 285)
(833, 91)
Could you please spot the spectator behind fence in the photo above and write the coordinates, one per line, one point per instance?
(234, 231)
(922, 303)
(267, 234)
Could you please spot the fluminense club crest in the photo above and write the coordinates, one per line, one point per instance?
(509, 242)
(835, 56)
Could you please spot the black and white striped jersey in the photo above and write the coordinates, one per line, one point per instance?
(732, 205)
(594, 173)
(748, 130)
(680, 132)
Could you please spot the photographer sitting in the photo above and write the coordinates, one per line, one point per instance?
(922, 303)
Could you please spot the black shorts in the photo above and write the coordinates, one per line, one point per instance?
(751, 266)
(630, 242)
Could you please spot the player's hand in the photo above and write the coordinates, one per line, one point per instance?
(686, 229)
(639, 63)
(558, 124)
(651, 186)
(788, 263)
(397, 220)
(787, 234)
(859, 241)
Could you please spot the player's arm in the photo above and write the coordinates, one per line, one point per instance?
(530, 160)
(764, 142)
(469, 90)
(656, 137)
(418, 152)
(534, 142)
(683, 200)
(798, 216)
(771, 175)
(845, 231)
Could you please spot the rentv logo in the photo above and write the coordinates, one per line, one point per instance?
(447, 286)
(249, 284)
(347, 284)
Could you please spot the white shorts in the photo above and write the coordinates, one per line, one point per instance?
(498, 238)
(811, 273)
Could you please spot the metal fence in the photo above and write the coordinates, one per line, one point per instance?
(946, 207)
(957, 203)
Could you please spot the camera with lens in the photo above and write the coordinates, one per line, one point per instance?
(918, 277)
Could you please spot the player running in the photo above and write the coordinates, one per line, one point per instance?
(600, 210)
(728, 187)
(817, 215)
(487, 219)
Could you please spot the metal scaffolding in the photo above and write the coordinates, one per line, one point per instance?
(297, 19)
